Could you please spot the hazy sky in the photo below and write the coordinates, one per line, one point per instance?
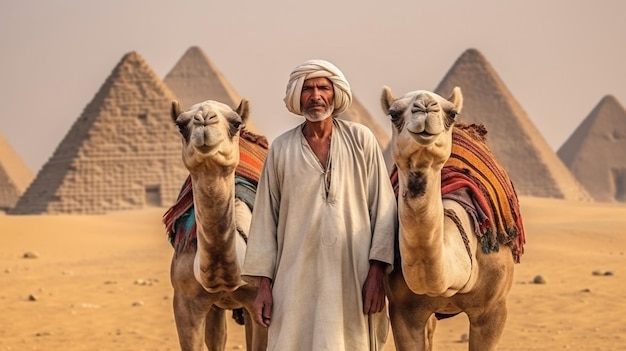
(558, 58)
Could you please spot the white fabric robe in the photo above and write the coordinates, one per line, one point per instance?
(316, 248)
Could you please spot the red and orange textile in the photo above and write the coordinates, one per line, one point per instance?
(473, 169)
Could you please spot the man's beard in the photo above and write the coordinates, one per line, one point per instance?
(319, 116)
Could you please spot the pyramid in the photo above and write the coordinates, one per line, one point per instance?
(357, 113)
(122, 153)
(15, 176)
(194, 78)
(594, 153)
(534, 167)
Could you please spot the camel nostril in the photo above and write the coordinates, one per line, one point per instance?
(204, 120)
(210, 119)
(198, 120)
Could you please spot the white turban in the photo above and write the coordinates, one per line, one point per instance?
(316, 69)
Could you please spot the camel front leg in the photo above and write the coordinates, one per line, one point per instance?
(431, 325)
(215, 329)
(412, 329)
(190, 323)
(486, 327)
(256, 335)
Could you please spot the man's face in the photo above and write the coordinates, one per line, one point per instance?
(317, 99)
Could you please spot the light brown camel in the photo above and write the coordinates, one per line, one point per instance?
(205, 273)
(450, 261)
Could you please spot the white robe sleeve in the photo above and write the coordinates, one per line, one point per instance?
(261, 253)
(383, 208)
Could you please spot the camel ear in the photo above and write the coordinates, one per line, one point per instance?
(176, 110)
(386, 99)
(243, 110)
(457, 99)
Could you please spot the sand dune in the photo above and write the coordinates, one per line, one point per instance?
(102, 283)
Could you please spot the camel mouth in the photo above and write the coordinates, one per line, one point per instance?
(207, 144)
(207, 149)
(423, 137)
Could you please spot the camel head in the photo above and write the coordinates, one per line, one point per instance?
(421, 126)
(210, 134)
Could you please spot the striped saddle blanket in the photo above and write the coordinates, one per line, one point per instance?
(179, 219)
(473, 177)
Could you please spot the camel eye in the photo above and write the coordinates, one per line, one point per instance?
(181, 123)
(394, 115)
(235, 126)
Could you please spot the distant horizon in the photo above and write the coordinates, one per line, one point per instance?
(557, 69)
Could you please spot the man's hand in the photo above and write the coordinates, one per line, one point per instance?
(374, 288)
(263, 303)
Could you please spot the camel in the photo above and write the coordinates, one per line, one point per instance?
(449, 261)
(206, 272)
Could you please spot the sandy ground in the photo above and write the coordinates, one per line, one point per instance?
(102, 283)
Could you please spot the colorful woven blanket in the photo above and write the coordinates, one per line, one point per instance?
(179, 219)
(474, 177)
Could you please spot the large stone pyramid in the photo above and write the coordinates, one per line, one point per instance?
(15, 176)
(194, 78)
(595, 152)
(122, 153)
(535, 168)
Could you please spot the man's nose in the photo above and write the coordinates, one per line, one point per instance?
(317, 93)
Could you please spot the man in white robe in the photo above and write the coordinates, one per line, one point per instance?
(322, 232)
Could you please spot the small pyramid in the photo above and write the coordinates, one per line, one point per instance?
(534, 167)
(357, 113)
(194, 78)
(15, 176)
(594, 153)
(122, 153)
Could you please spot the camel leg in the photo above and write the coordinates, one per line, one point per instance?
(413, 327)
(256, 335)
(431, 325)
(190, 322)
(249, 327)
(409, 327)
(215, 329)
(486, 327)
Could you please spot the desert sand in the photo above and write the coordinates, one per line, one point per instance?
(102, 283)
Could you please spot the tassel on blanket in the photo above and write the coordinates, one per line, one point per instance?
(472, 170)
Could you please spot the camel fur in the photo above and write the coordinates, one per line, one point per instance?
(443, 268)
(206, 273)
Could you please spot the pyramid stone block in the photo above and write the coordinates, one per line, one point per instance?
(122, 153)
